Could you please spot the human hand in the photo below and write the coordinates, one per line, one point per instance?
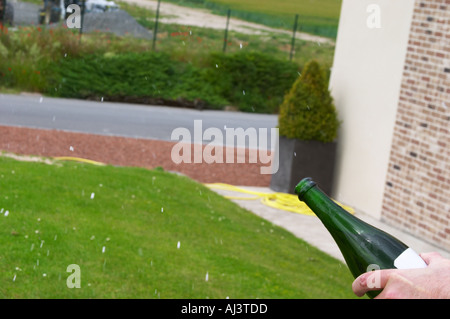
(424, 283)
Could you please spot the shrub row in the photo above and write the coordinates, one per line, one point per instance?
(252, 82)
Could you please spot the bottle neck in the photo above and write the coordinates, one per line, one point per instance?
(328, 211)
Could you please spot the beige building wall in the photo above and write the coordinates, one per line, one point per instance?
(365, 84)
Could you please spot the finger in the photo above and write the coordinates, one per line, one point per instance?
(430, 257)
(359, 285)
(369, 281)
(400, 287)
(394, 287)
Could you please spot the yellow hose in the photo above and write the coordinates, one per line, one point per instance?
(288, 202)
(78, 159)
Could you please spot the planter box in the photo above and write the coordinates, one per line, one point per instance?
(299, 159)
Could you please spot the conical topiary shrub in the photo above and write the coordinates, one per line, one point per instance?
(308, 127)
(307, 112)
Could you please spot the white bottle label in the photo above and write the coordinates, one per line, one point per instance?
(409, 259)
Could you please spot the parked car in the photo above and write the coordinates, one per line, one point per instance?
(101, 6)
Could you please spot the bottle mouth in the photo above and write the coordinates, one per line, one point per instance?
(303, 186)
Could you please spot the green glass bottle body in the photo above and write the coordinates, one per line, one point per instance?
(363, 246)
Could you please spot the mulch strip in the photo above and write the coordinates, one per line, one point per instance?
(124, 151)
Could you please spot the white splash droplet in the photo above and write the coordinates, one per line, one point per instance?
(178, 245)
(207, 276)
(92, 195)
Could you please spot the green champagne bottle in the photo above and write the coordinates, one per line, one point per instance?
(363, 246)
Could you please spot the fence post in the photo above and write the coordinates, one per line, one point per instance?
(293, 38)
(225, 40)
(155, 32)
(2, 13)
(83, 7)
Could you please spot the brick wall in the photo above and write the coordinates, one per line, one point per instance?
(417, 191)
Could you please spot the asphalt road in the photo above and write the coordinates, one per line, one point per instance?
(26, 13)
(129, 120)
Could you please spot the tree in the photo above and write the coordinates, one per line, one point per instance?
(307, 111)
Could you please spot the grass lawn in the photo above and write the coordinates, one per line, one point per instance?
(320, 8)
(138, 233)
